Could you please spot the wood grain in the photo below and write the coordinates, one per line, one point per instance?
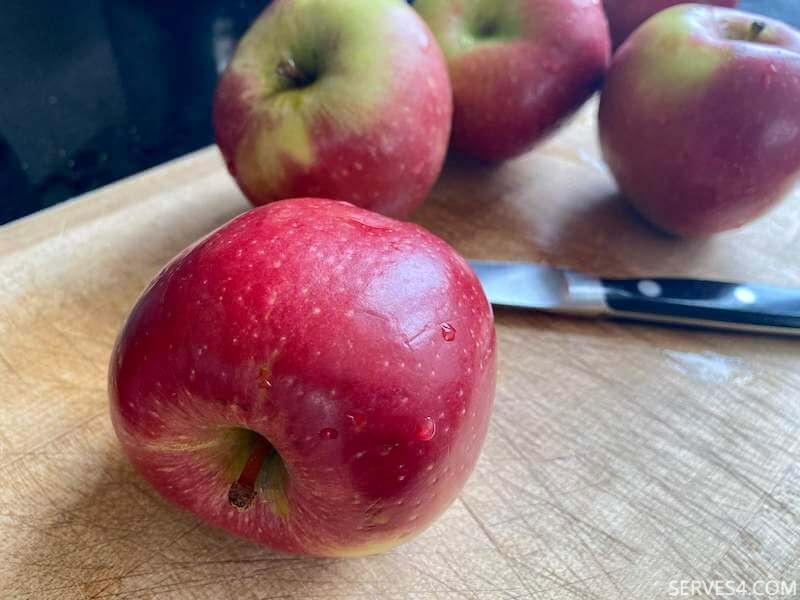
(620, 456)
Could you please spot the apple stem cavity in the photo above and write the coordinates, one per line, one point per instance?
(756, 27)
(243, 490)
(297, 78)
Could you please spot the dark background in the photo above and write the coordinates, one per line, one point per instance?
(95, 90)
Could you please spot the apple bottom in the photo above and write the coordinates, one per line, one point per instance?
(698, 212)
(297, 508)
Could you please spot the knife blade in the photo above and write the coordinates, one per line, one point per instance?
(695, 302)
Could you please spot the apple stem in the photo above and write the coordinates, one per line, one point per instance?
(243, 489)
(756, 27)
(288, 69)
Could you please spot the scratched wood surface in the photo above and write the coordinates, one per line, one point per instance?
(620, 457)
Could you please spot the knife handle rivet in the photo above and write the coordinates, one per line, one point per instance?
(649, 288)
(744, 295)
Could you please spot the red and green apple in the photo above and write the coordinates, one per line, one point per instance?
(347, 99)
(700, 117)
(517, 67)
(312, 376)
(624, 16)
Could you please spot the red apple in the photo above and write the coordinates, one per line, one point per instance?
(517, 68)
(626, 15)
(700, 117)
(347, 99)
(311, 376)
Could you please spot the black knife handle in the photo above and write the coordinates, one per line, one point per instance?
(744, 305)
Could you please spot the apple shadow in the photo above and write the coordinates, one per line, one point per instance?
(119, 538)
(606, 236)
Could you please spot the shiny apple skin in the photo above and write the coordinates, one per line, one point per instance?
(702, 132)
(362, 348)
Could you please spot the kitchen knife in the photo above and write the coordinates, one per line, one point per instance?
(717, 304)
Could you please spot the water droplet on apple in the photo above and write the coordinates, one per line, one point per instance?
(426, 430)
(448, 332)
(328, 433)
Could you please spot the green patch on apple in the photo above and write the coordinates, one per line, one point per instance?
(463, 25)
(261, 159)
(322, 96)
(231, 451)
(677, 61)
(272, 481)
(327, 42)
(321, 58)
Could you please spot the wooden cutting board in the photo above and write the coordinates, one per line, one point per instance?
(621, 457)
